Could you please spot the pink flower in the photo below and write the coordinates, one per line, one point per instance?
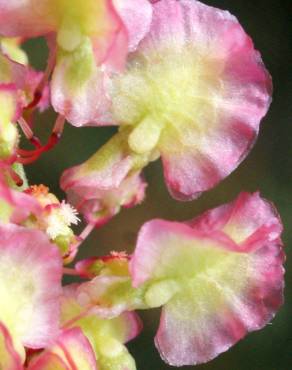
(30, 291)
(194, 91)
(217, 277)
(84, 35)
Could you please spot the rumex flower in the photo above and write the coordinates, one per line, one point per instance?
(195, 91)
(30, 289)
(84, 35)
(183, 82)
(217, 277)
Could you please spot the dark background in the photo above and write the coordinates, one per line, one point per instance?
(268, 168)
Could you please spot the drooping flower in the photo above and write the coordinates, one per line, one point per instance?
(107, 181)
(85, 35)
(30, 289)
(217, 277)
(195, 91)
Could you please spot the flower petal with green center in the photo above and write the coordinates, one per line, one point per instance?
(195, 90)
(217, 277)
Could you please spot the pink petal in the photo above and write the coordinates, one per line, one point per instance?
(133, 325)
(244, 220)
(167, 24)
(192, 170)
(32, 297)
(111, 48)
(228, 287)
(9, 358)
(136, 15)
(27, 19)
(82, 103)
(193, 332)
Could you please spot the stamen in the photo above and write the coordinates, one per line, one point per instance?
(86, 231)
(29, 156)
(84, 234)
(28, 133)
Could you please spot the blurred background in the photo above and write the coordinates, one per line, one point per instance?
(268, 168)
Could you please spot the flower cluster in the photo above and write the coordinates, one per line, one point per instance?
(182, 82)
